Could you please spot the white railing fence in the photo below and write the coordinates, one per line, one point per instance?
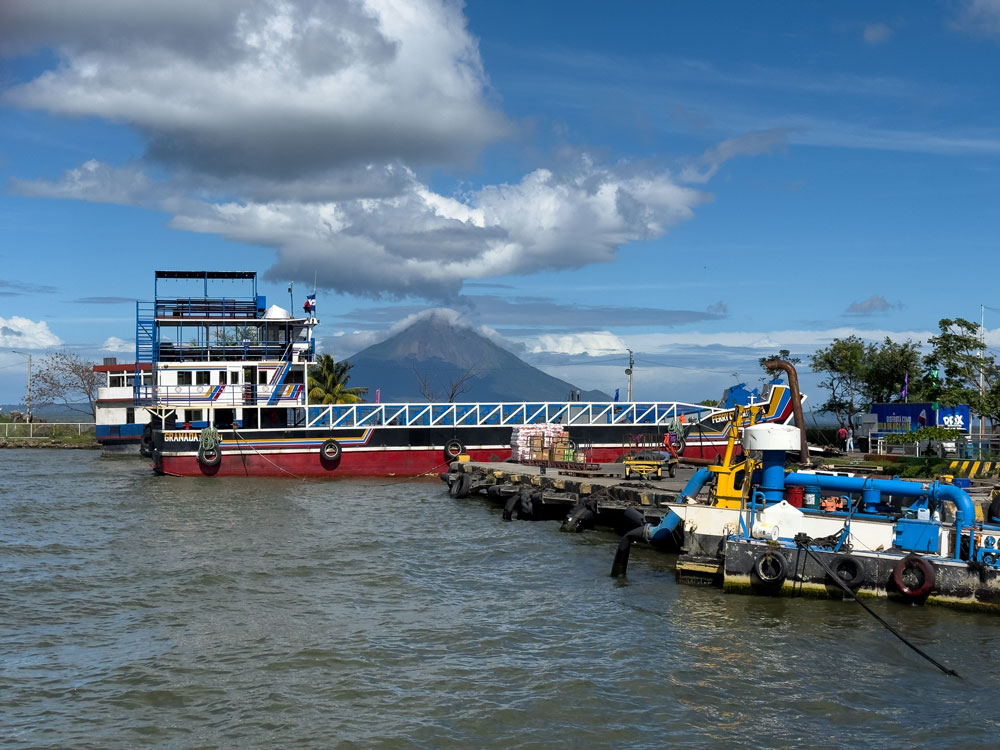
(27, 430)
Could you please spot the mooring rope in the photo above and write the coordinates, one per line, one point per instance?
(803, 545)
(208, 440)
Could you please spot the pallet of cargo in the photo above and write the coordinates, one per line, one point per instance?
(592, 470)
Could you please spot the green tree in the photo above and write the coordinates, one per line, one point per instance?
(844, 368)
(886, 370)
(328, 382)
(955, 365)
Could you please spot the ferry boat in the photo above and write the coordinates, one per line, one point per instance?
(228, 396)
(119, 421)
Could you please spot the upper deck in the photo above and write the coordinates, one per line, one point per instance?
(202, 316)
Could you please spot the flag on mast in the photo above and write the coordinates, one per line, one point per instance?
(310, 305)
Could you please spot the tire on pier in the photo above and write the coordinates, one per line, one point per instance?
(848, 570)
(771, 568)
(914, 577)
(459, 489)
(209, 457)
(453, 449)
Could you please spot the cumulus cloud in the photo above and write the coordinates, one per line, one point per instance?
(594, 344)
(872, 306)
(419, 242)
(24, 333)
(264, 87)
(115, 345)
(877, 33)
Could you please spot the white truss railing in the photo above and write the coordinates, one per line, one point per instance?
(507, 414)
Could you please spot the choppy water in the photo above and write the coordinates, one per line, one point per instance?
(143, 611)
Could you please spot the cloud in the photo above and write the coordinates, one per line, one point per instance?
(872, 306)
(594, 344)
(549, 220)
(17, 288)
(27, 334)
(751, 144)
(528, 315)
(105, 300)
(979, 17)
(877, 33)
(116, 345)
(264, 88)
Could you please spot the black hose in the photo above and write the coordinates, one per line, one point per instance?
(837, 579)
(620, 566)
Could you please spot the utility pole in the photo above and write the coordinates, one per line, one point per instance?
(982, 356)
(28, 400)
(631, 362)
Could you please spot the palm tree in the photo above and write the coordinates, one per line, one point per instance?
(328, 383)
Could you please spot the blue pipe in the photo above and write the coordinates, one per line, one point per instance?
(965, 511)
(662, 530)
(695, 483)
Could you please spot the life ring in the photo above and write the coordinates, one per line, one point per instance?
(146, 441)
(330, 450)
(771, 568)
(209, 457)
(453, 449)
(849, 571)
(910, 567)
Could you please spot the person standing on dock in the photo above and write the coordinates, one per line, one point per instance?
(842, 438)
(850, 440)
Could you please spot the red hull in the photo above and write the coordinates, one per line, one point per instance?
(362, 463)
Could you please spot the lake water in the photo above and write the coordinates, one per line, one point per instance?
(144, 611)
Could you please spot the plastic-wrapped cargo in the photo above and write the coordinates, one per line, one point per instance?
(531, 442)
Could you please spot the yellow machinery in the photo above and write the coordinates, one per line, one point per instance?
(731, 476)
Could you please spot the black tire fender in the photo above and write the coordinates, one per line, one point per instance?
(330, 450)
(771, 568)
(146, 441)
(453, 449)
(459, 489)
(209, 457)
(994, 510)
(902, 577)
(848, 570)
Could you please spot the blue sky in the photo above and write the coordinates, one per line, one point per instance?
(702, 183)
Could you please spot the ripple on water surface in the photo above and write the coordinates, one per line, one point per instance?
(153, 611)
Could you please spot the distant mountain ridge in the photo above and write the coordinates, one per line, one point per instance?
(432, 354)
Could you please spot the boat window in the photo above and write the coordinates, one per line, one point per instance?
(262, 377)
(184, 378)
(193, 415)
(234, 376)
(130, 415)
(222, 378)
(130, 380)
(202, 377)
(116, 381)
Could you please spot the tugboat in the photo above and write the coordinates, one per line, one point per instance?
(927, 560)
